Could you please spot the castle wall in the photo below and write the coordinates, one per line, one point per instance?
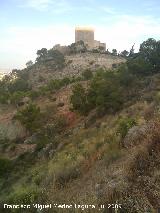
(96, 43)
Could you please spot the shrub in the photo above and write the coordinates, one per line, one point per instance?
(76, 79)
(87, 74)
(29, 117)
(65, 175)
(79, 99)
(42, 141)
(23, 196)
(56, 56)
(139, 66)
(56, 84)
(105, 92)
(5, 166)
(124, 125)
(16, 97)
(65, 81)
(60, 123)
(34, 94)
(49, 133)
(4, 97)
(14, 85)
(18, 85)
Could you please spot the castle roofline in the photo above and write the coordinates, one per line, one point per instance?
(84, 28)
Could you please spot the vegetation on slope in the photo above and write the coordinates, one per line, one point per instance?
(110, 155)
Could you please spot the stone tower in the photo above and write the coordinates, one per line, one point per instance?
(86, 35)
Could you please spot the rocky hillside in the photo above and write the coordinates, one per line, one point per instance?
(75, 64)
(89, 142)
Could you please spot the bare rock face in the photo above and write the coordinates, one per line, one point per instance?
(91, 61)
(12, 130)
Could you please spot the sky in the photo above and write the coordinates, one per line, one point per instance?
(29, 25)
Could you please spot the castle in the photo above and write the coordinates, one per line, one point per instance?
(87, 36)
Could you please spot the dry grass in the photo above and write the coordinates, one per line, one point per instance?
(132, 177)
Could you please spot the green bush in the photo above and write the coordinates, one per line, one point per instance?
(124, 125)
(23, 195)
(146, 61)
(87, 74)
(139, 66)
(105, 93)
(34, 94)
(5, 166)
(13, 86)
(58, 125)
(49, 133)
(56, 84)
(76, 79)
(17, 96)
(18, 85)
(55, 56)
(42, 141)
(29, 117)
(79, 99)
(4, 97)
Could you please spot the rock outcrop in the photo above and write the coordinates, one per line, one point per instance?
(75, 64)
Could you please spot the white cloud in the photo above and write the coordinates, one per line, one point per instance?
(127, 30)
(22, 43)
(37, 4)
(59, 6)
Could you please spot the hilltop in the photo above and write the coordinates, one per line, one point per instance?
(74, 66)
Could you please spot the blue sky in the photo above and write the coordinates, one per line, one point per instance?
(29, 25)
